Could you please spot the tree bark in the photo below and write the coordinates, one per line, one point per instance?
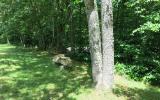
(94, 41)
(107, 43)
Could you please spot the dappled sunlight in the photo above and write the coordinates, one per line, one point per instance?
(30, 75)
(133, 90)
(27, 75)
(137, 93)
(3, 53)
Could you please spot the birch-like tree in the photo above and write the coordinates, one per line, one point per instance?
(94, 41)
(101, 44)
(107, 42)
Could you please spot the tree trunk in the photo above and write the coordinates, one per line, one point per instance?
(8, 42)
(107, 42)
(95, 41)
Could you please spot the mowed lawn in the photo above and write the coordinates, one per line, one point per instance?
(27, 74)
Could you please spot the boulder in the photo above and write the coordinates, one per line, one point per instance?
(62, 60)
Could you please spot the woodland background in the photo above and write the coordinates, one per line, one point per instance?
(58, 24)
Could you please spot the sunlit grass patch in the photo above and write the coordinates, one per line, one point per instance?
(31, 75)
(27, 75)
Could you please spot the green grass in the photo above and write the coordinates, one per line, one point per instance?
(26, 74)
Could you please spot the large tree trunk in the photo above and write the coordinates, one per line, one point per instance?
(107, 42)
(95, 41)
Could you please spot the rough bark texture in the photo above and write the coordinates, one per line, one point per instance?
(95, 41)
(107, 43)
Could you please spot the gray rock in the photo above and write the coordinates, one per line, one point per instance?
(62, 60)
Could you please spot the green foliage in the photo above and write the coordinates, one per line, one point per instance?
(59, 24)
(137, 43)
(45, 24)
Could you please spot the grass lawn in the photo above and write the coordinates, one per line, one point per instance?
(27, 74)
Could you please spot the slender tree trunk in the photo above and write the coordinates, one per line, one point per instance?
(71, 29)
(53, 23)
(95, 41)
(107, 42)
(8, 42)
(21, 39)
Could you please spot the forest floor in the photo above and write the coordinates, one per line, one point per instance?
(27, 74)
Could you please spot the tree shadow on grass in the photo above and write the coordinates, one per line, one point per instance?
(26, 75)
(136, 93)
